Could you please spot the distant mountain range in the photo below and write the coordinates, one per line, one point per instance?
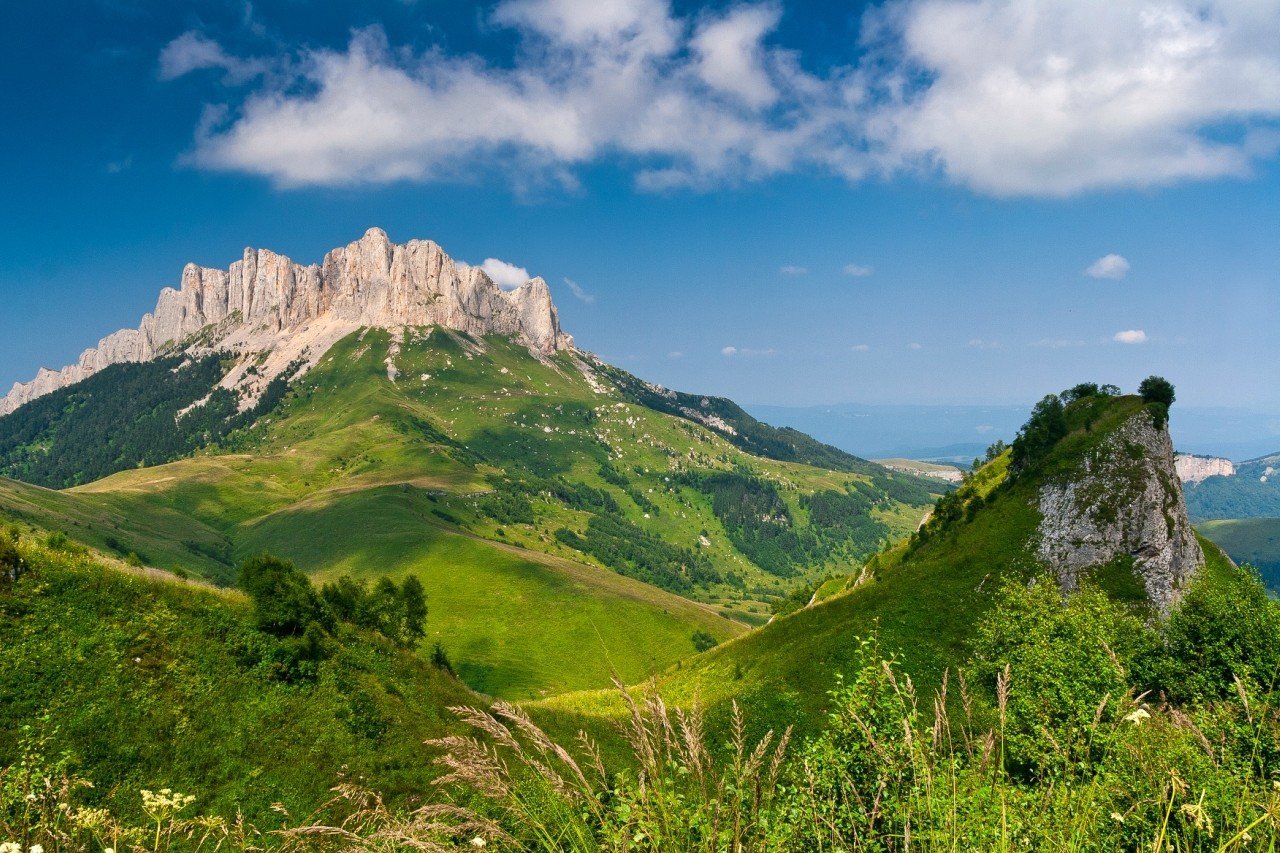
(959, 433)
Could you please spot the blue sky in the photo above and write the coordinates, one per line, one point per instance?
(788, 203)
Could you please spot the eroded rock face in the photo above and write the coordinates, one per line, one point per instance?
(266, 302)
(1197, 469)
(1124, 501)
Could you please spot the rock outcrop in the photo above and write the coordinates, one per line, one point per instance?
(1123, 501)
(1197, 469)
(267, 303)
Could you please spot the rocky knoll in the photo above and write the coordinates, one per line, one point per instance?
(267, 304)
(1123, 500)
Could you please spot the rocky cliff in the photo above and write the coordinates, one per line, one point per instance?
(267, 304)
(1122, 500)
(1197, 469)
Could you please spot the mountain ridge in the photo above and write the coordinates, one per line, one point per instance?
(273, 312)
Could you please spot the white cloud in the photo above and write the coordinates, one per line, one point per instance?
(1057, 97)
(792, 269)
(1011, 99)
(861, 347)
(576, 290)
(914, 345)
(1058, 343)
(744, 352)
(193, 51)
(505, 275)
(979, 343)
(1130, 336)
(731, 59)
(675, 353)
(728, 351)
(858, 270)
(1108, 266)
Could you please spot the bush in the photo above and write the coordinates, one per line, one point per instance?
(284, 602)
(1069, 661)
(1223, 628)
(702, 641)
(1047, 425)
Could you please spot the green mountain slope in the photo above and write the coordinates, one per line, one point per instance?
(1249, 540)
(132, 681)
(923, 597)
(561, 529)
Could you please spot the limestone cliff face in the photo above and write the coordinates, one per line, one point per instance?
(1125, 500)
(267, 303)
(1197, 469)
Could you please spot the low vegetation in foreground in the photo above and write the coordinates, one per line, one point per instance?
(151, 715)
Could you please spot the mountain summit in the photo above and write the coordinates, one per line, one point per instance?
(266, 303)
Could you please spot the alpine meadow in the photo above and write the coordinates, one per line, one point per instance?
(350, 545)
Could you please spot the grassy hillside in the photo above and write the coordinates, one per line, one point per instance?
(1249, 540)
(562, 530)
(136, 682)
(923, 597)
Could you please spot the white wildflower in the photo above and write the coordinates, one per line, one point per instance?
(479, 843)
(10, 847)
(1136, 717)
(37, 848)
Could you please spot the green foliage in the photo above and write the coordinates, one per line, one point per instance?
(636, 553)
(284, 602)
(1046, 427)
(703, 641)
(1224, 628)
(139, 684)
(1157, 392)
(440, 658)
(126, 416)
(1069, 660)
(398, 613)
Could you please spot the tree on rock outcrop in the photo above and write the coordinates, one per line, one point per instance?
(1157, 393)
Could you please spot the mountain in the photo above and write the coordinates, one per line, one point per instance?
(1253, 491)
(273, 312)
(1099, 499)
(390, 412)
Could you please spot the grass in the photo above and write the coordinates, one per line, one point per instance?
(354, 473)
(136, 682)
(922, 602)
(1249, 540)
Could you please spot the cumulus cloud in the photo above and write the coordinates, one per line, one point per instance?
(1108, 266)
(1130, 336)
(792, 269)
(861, 347)
(576, 290)
(505, 275)
(858, 270)
(1010, 99)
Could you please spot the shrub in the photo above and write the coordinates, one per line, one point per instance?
(702, 641)
(1157, 393)
(284, 602)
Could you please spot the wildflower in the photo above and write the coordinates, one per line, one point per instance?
(1136, 717)
(37, 848)
(479, 843)
(1198, 815)
(10, 847)
(1117, 817)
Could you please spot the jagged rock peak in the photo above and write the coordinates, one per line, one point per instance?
(1123, 500)
(264, 298)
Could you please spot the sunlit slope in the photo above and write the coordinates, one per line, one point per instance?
(405, 454)
(921, 599)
